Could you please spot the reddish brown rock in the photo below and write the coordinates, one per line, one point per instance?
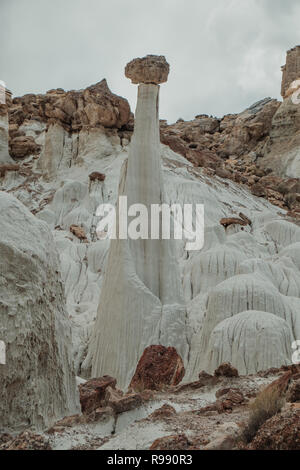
(235, 134)
(290, 185)
(158, 367)
(150, 69)
(175, 442)
(78, 232)
(125, 403)
(229, 400)
(294, 369)
(271, 182)
(147, 395)
(95, 106)
(293, 395)
(165, 411)
(120, 403)
(222, 173)
(282, 432)
(21, 147)
(204, 159)
(92, 393)
(205, 379)
(258, 190)
(295, 214)
(100, 414)
(226, 222)
(226, 370)
(27, 440)
(97, 176)
(223, 391)
(281, 384)
(66, 422)
(4, 168)
(175, 143)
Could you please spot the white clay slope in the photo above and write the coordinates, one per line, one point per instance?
(251, 341)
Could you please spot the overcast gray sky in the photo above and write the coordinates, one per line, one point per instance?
(224, 54)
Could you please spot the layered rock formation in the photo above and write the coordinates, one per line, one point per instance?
(4, 137)
(282, 149)
(37, 382)
(291, 69)
(48, 121)
(242, 148)
(141, 297)
(95, 106)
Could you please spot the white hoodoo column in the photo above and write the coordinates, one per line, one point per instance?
(144, 181)
(141, 302)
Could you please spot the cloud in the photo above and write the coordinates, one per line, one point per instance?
(224, 55)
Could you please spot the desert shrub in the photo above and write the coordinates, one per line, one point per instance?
(268, 403)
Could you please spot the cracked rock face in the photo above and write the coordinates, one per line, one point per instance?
(150, 69)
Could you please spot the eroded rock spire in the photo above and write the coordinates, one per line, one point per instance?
(141, 301)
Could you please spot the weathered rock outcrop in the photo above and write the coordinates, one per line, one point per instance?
(23, 146)
(150, 69)
(291, 69)
(246, 147)
(233, 135)
(37, 382)
(226, 370)
(174, 442)
(5, 100)
(92, 393)
(257, 148)
(93, 107)
(281, 149)
(27, 440)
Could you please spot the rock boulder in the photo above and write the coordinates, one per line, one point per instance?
(158, 367)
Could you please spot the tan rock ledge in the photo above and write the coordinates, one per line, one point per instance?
(150, 69)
